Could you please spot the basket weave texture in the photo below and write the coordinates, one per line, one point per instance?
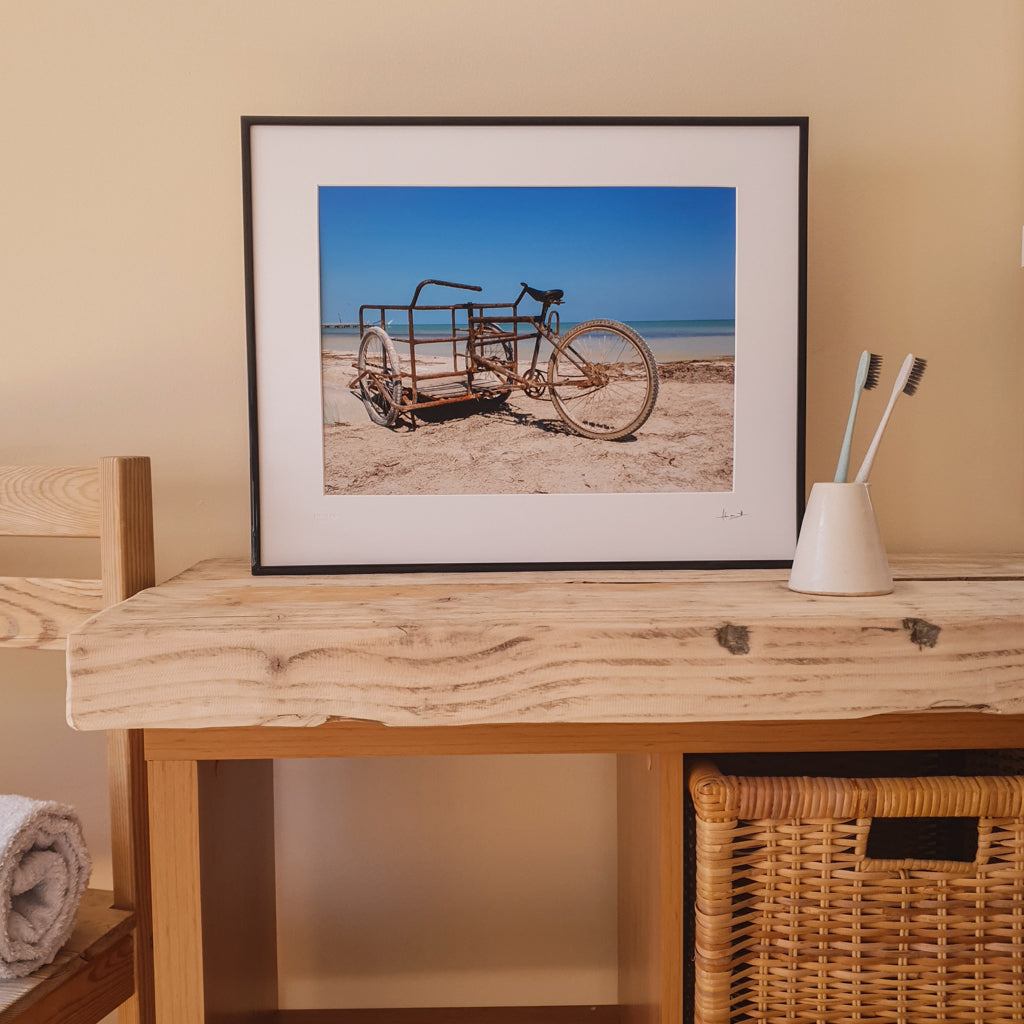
(795, 922)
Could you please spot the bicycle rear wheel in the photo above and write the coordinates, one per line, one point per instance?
(604, 380)
(380, 384)
(492, 381)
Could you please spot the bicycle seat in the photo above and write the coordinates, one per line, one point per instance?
(555, 295)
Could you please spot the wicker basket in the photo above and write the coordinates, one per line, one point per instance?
(797, 918)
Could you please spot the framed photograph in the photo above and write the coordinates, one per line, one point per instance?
(524, 343)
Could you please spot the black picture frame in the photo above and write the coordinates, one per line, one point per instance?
(297, 528)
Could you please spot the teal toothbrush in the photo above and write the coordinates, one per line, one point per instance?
(867, 378)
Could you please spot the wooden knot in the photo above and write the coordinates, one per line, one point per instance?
(735, 639)
(924, 634)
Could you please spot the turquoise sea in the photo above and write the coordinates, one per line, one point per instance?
(669, 340)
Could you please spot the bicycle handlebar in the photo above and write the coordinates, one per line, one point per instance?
(443, 284)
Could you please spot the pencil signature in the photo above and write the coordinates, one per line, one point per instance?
(731, 515)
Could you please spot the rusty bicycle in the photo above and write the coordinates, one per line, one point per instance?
(599, 376)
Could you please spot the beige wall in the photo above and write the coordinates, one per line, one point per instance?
(122, 332)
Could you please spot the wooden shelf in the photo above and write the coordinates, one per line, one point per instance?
(91, 976)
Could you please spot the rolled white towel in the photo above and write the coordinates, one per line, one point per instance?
(44, 869)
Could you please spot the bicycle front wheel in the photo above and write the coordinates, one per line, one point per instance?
(604, 380)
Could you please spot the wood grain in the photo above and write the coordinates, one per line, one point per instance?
(126, 537)
(129, 834)
(650, 886)
(47, 501)
(177, 899)
(39, 613)
(127, 564)
(212, 851)
(92, 991)
(208, 650)
(90, 976)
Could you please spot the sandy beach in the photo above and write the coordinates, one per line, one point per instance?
(523, 446)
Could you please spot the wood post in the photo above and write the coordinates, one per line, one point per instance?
(650, 811)
(128, 566)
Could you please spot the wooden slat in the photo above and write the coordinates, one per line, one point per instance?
(91, 975)
(39, 613)
(927, 731)
(369, 739)
(453, 1015)
(43, 501)
(204, 652)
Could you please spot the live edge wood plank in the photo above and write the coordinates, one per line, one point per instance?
(216, 647)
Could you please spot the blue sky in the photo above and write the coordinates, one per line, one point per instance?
(624, 253)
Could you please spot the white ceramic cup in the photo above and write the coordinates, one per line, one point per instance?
(839, 551)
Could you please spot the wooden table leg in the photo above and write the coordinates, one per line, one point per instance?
(650, 823)
(177, 908)
(239, 898)
(129, 830)
(214, 916)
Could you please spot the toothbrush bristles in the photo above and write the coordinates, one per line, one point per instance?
(874, 372)
(916, 373)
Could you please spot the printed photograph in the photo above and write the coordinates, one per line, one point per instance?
(522, 340)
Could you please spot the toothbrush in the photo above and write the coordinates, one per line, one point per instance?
(907, 381)
(867, 378)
